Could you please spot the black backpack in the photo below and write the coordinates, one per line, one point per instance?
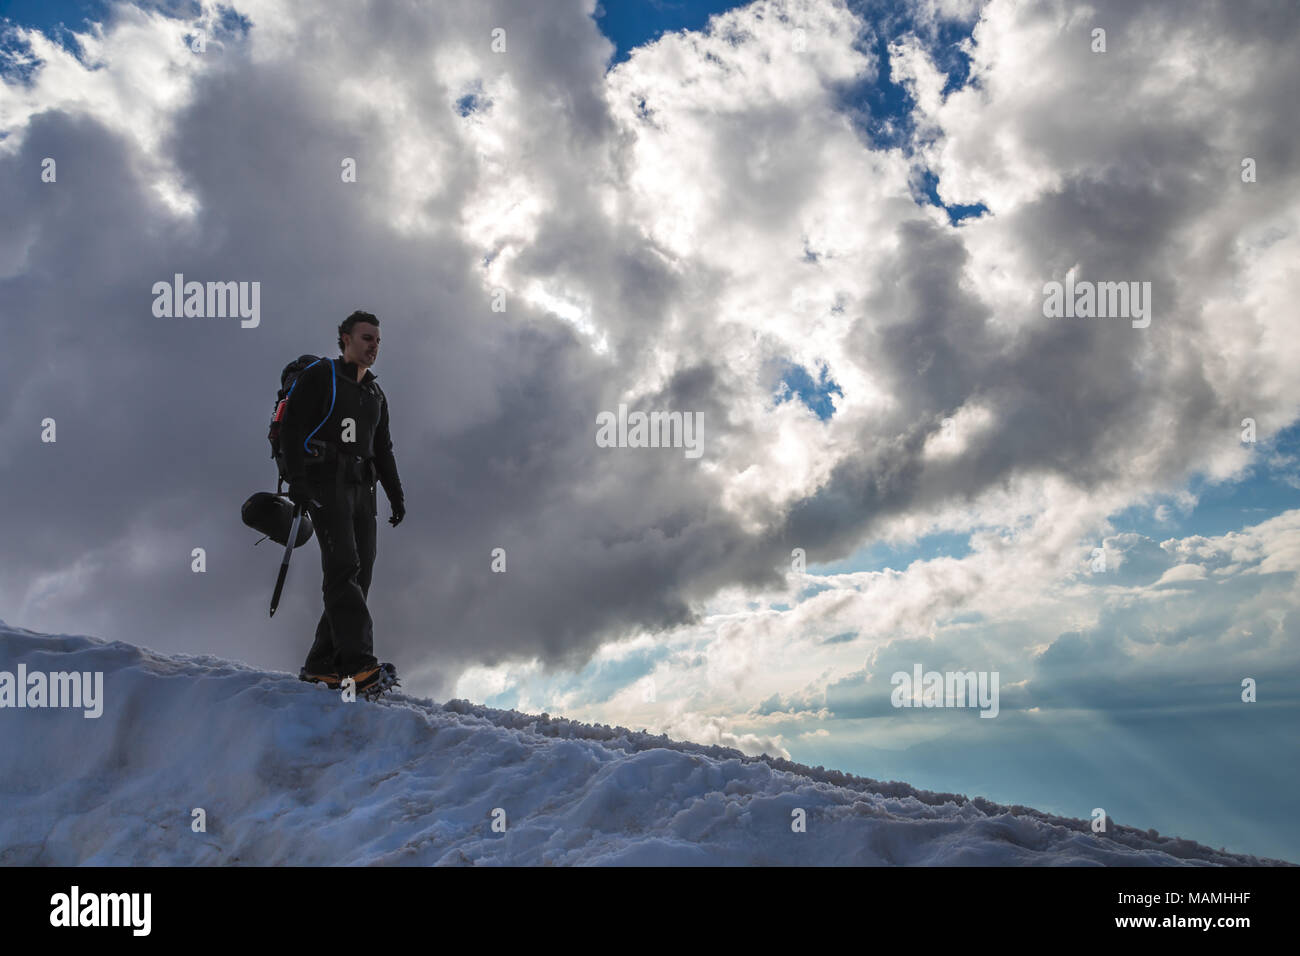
(269, 513)
(288, 379)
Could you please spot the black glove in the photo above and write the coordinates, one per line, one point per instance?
(300, 493)
(399, 511)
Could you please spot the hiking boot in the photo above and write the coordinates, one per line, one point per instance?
(331, 681)
(374, 681)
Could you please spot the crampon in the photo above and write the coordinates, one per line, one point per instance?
(382, 682)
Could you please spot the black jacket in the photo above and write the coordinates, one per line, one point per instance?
(364, 402)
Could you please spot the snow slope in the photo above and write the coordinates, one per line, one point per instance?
(289, 774)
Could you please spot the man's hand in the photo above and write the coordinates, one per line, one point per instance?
(399, 512)
(300, 493)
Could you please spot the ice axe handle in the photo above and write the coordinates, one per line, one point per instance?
(288, 553)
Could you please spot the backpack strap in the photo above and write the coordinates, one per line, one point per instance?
(329, 412)
(279, 477)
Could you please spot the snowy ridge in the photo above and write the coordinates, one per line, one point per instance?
(286, 773)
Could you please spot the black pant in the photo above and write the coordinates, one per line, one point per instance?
(345, 528)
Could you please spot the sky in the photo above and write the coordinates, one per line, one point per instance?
(825, 228)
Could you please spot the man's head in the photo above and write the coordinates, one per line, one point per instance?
(359, 339)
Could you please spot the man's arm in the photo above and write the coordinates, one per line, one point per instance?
(301, 415)
(385, 464)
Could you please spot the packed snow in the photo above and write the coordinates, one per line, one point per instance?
(286, 772)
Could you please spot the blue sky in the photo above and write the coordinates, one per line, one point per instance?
(631, 23)
(51, 15)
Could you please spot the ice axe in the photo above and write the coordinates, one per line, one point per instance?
(288, 553)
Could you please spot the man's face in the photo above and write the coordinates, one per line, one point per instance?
(361, 346)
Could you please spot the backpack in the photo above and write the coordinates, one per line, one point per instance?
(288, 380)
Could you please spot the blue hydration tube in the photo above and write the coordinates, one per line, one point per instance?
(333, 392)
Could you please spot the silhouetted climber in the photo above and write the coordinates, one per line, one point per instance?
(331, 466)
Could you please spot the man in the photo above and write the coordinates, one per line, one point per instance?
(331, 463)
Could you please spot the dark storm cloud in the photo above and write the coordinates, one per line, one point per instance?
(161, 422)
